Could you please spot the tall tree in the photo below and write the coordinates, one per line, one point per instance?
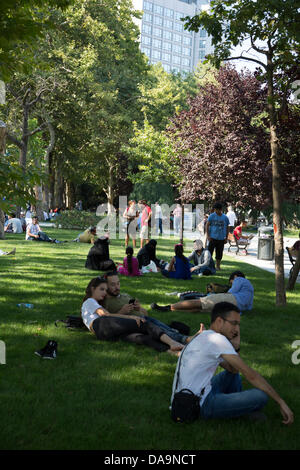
(21, 23)
(273, 29)
(221, 151)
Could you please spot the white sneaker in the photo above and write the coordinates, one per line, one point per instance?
(201, 274)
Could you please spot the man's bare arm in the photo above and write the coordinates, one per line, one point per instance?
(259, 382)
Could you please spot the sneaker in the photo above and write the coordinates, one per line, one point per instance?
(165, 308)
(49, 351)
(201, 274)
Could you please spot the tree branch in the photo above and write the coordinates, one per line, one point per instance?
(14, 140)
(38, 129)
(247, 58)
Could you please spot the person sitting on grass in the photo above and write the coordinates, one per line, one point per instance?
(221, 395)
(240, 294)
(130, 328)
(238, 233)
(295, 248)
(5, 253)
(179, 266)
(33, 232)
(14, 224)
(130, 264)
(148, 254)
(202, 259)
(118, 303)
(88, 236)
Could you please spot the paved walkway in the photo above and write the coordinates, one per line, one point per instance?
(251, 258)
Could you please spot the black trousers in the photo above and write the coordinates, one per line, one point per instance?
(217, 245)
(114, 328)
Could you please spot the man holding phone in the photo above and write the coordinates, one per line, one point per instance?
(123, 304)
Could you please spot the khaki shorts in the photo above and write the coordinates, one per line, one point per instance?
(144, 232)
(211, 300)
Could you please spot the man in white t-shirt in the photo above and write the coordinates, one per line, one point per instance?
(14, 224)
(221, 395)
(158, 219)
(232, 219)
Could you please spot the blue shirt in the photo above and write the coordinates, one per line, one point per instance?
(218, 226)
(243, 291)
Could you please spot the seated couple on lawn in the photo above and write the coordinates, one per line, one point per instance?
(111, 316)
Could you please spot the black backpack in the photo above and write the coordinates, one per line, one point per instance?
(72, 322)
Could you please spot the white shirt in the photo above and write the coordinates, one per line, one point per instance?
(158, 212)
(199, 362)
(34, 229)
(88, 311)
(232, 217)
(16, 225)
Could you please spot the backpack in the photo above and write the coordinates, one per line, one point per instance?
(215, 288)
(72, 322)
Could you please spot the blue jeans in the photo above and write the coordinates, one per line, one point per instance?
(227, 400)
(174, 334)
(158, 223)
(202, 269)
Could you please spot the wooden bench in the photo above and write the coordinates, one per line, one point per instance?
(292, 257)
(234, 242)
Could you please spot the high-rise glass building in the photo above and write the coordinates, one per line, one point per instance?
(163, 37)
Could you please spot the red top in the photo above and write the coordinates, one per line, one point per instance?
(237, 232)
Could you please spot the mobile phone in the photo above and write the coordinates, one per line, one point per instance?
(131, 301)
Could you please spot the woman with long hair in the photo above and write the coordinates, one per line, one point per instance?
(130, 215)
(130, 265)
(112, 327)
(179, 266)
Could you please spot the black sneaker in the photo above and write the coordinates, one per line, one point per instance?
(165, 308)
(49, 351)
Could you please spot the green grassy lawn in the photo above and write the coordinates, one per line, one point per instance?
(102, 395)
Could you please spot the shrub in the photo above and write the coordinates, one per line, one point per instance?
(76, 219)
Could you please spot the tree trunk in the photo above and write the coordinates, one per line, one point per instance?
(2, 137)
(182, 224)
(294, 274)
(49, 150)
(276, 191)
(2, 219)
(2, 152)
(59, 186)
(110, 192)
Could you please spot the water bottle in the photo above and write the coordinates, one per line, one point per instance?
(25, 305)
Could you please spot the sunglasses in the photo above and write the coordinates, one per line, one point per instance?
(232, 322)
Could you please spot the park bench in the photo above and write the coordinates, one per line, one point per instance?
(234, 242)
(292, 258)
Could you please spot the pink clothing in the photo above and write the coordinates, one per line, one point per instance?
(135, 267)
(145, 215)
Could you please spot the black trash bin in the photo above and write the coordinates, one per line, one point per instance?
(265, 249)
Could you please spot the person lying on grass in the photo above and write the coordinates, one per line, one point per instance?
(221, 395)
(240, 294)
(110, 327)
(119, 303)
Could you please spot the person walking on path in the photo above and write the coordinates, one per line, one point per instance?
(217, 233)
